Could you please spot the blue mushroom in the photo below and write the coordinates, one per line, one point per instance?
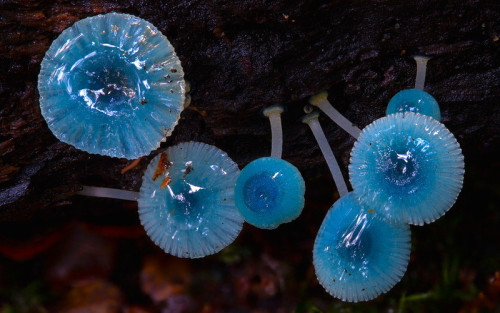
(112, 85)
(186, 201)
(407, 167)
(357, 256)
(416, 101)
(269, 192)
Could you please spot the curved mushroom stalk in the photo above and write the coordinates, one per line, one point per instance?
(421, 70)
(103, 192)
(311, 119)
(274, 115)
(321, 101)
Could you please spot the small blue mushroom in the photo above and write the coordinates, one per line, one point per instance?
(407, 167)
(112, 85)
(416, 100)
(270, 191)
(356, 256)
(186, 201)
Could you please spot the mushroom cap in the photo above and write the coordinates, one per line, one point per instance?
(186, 201)
(269, 192)
(357, 256)
(407, 167)
(416, 101)
(112, 85)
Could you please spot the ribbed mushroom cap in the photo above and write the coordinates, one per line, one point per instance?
(357, 256)
(112, 85)
(186, 201)
(407, 167)
(269, 192)
(416, 101)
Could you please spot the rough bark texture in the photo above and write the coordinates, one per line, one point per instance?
(241, 56)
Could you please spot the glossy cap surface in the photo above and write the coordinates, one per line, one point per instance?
(408, 168)
(112, 85)
(416, 101)
(186, 201)
(356, 256)
(269, 192)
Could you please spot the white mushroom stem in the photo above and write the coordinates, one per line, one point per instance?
(312, 120)
(421, 70)
(274, 115)
(102, 192)
(321, 101)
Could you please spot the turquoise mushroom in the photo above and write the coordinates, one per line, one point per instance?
(407, 167)
(112, 85)
(416, 100)
(269, 192)
(357, 256)
(186, 201)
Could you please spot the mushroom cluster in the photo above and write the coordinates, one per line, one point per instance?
(112, 84)
(356, 255)
(405, 168)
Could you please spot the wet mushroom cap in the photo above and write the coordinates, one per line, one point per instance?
(357, 256)
(416, 101)
(112, 85)
(269, 192)
(407, 167)
(186, 201)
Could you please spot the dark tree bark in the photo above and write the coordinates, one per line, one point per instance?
(241, 57)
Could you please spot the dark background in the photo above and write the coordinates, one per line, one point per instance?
(64, 253)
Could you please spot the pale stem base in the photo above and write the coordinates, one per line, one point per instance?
(102, 192)
(277, 135)
(338, 118)
(328, 155)
(421, 71)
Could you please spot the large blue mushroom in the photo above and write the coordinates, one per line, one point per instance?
(112, 85)
(357, 256)
(407, 167)
(186, 201)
